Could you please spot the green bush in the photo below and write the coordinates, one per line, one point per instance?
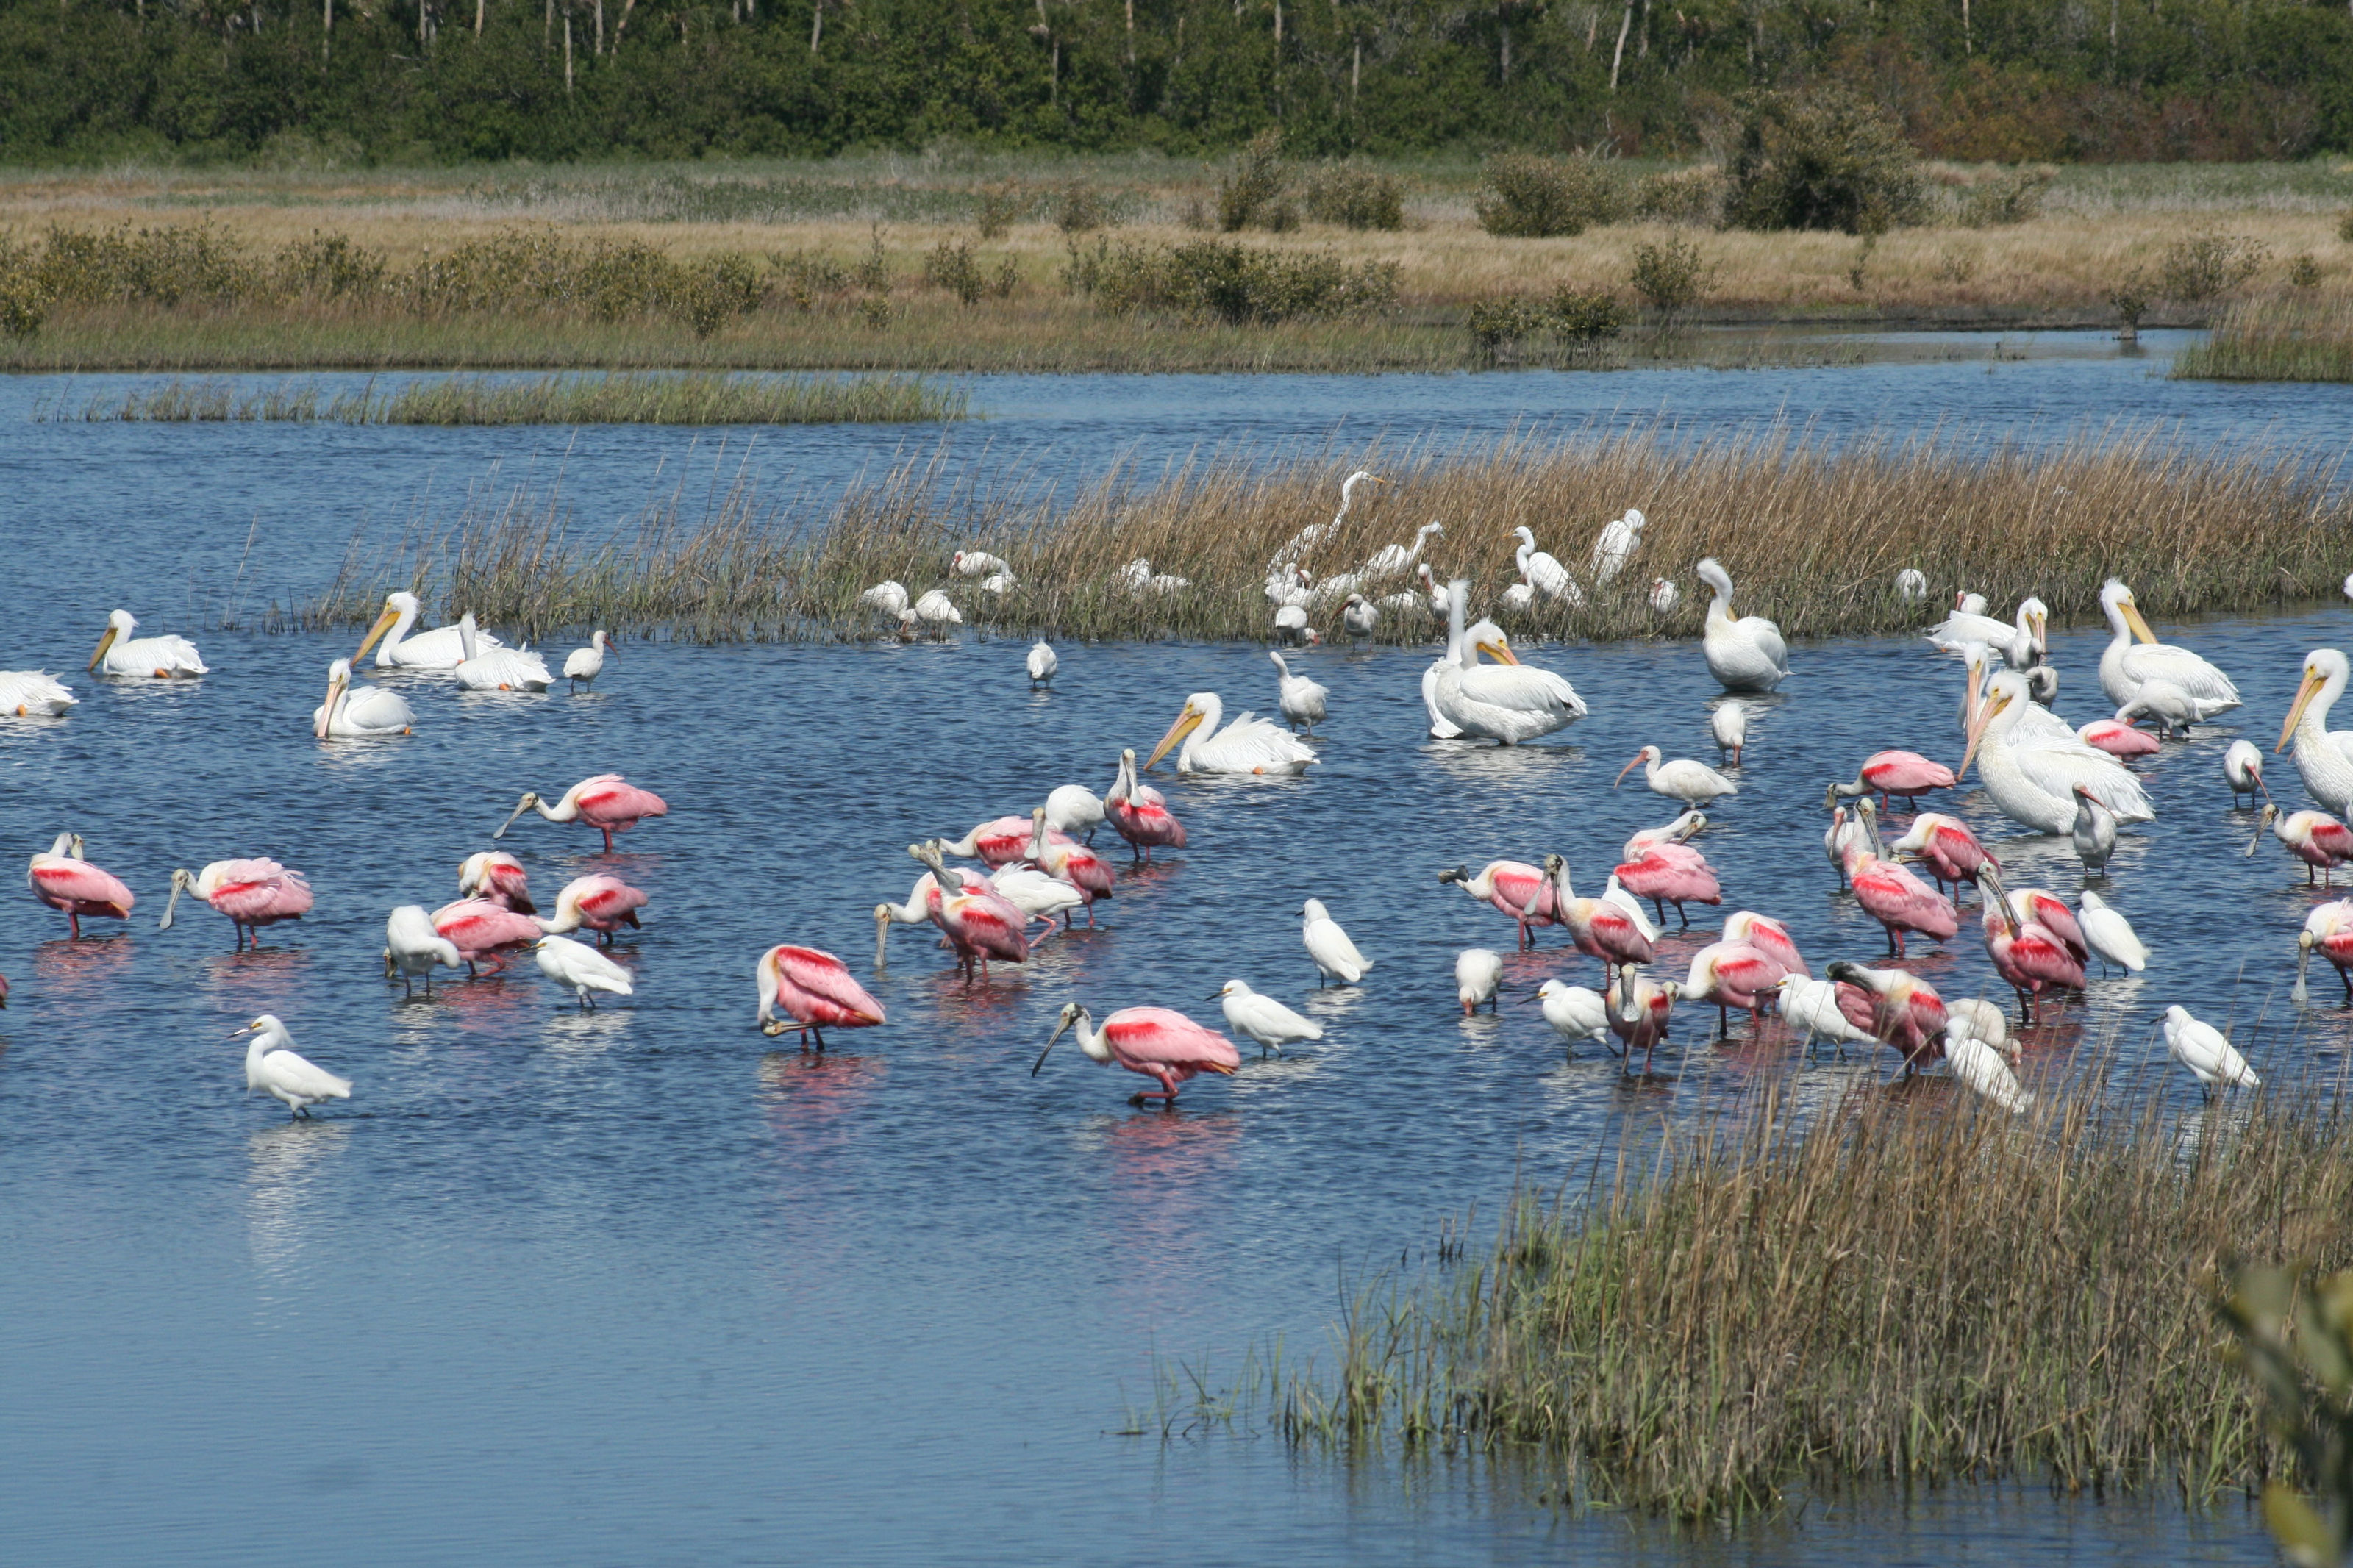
(952, 267)
(2013, 196)
(1532, 197)
(1079, 208)
(1497, 324)
(1680, 195)
(2345, 226)
(2198, 266)
(803, 277)
(23, 294)
(1581, 317)
(328, 267)
(998, 209)
(2303, 271)
(1824, 158)
(1251, 194)
(2129, 296)
(152, 266)
(1356, 197)
(1210, 278)
(1670, 277)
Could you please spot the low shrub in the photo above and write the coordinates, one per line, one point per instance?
(2198, 266)
(1586, 316)
(2013, 196)
(1212, 279)
(1079, 208)
(1252, 195)
(1354, 197)
(2303, 271)
(1530, 197)
(329, 267)
(952, 266)
(2129, 296)
(1824, 158)
(1680, 195)
(998, 209)
(1670, 277)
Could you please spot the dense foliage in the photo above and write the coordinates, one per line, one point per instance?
(441, 79)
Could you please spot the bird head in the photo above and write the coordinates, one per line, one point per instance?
(530, 798)
(1189, 719)
(1454, 874)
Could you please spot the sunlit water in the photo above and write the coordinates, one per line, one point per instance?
(638, 1286)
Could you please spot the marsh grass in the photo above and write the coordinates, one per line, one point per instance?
(1906, 1288)
(2275, 339)
(1813, 534)
(597, 399)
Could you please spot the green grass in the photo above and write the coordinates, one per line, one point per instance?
(597, 399)
(2280, 338)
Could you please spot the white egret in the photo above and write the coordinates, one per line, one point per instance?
(2209, 1055)
(1617, 545)
(412, 947)
(1043, 662)
(1433, 587)
(1693, 782)
(2324, 757)
(1390, 559)
(1315, 533)
(487, 668)
(1507, 703)
(1335, 956)
(272, 1066)
(1518, 596)
(1550, 577)
(583, 968)
(1262, 1019)
(1249, 745)
(1574, 1013)
(439, 649)
(584, 665)
(2110, 935)
(1302, 702)
(28, 693)
(1478, 970)
(2035, 782)
(156, 659)
(358, 712)
(2126, 664)
(1743, 655)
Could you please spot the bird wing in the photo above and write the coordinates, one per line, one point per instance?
(2204, 684)
(261, 887)
(1961, 627)
(827, 980)
(2056, 769)
(78, 881)
(1166, 1037)
(1253, 744)
(1768, 640)
(1523, 687)
(374, 707)
(304, 1079)
(33, 691)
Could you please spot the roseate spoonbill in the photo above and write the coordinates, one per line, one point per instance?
(2243, 770)
(609, 803)
(601, 903)
(1544, 572)
(1811, 1006)
(487, 668)
(358, 712)
(1073, 862)
(1728, 725)
(1891, 774)
(998, 842)
(583, 968)
(1946, 846)
(251, 893)
(1912, 585)
(1732, 974)
(66, 882)
(2126, 664)
(1769, 937)
(2049, 910)
(2111, 936)
(1291, 628)
(2206, 1052)
(440, 648)
(2323, 758)
(2118, 738)
(1508, 704)
(1156, 1042)
(1892, 1006)
(1139, 812)
(1693, 782)
(1302, 702)
(1619, 539)
(2027, 954)
(1640, 1011)
(1516, 888)
(1315, 533)
(2033, 782)
(2021, 644)
(1574, 1013)
(4, 991)
(2315, 837)
(1664, 596)
(584, 665)
(412, 947)
(1138, 577)
(2329, 928)
(1688, 824)
(922, 901)
(155, 658)
(1892, 895)
(1360, 615)
(2094, 833)
(1743, 655)
(1074, 809)
(477, 929)
(1671, 874)
(1247, 745)
(816, 993)
(1262, 1019)
(272, 1066)
(1393, 560)
(1043, 663)
(1980, 1068)
(979, 922)
(937, 612)
(1845, 831)
(1601, 928)
(978, 564)
(495, 875)
(34, 693)
(1335, 956)
(1478, 970)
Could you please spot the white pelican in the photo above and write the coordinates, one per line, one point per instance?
(1262, 1019)
(27, 692)
(412, 947)
(978, 564)
(498, 668)
(584, 665)
(1693, 783)
(1043, 662)
(2202, 1048)
(271, 1066)
(159, 658)
(1664, 596)
(2323, 758)
(934, 610)
(358, 712)
(1550, 577)
(439, 649)
(1617, 545)
(1478, 970)
(2126, 664)
(2037, 725)
(1247, 745)
(1074, 809)
(1315, 533)
(1912, 585)
(1335, 956)
(2110, 935)
(1743, 655)
(1291, 628)
(1390, 559)
(1574, 1013)
(2020, 645)
(1442, 727)
(1302, 700)
(2033, 780)
(1138, 576)
(1507, 703)
(1729, 726)
(2243, 770)
(1360, 615)
(583, 968)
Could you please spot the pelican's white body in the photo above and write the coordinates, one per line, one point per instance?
(152, 659)
(1743, 655)
(489, 667)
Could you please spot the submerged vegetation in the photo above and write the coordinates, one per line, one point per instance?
(1813, 535)
(2276, 339)
(601, 399)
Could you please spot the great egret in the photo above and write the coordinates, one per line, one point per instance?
(1743, 655)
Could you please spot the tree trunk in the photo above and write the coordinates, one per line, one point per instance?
(567, 51)
(622, 25)
(1969, 45)
(477, 17)
(600, 28)
(1643, 51)
(327, 32)
(1625, 26)
(1355, 73)
(1503, 58)
(816, 25)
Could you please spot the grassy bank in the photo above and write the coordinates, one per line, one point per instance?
(602, 399)
(1907, 1290)
(1813, 537)
(2276, 339)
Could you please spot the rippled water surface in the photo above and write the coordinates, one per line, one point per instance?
(639, 1286)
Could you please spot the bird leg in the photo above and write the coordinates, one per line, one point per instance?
(73, 925)
(1682, 915)
(608, 841)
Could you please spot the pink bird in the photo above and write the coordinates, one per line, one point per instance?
(1951, 852)
(1671, 874)
(1893, 896)
(1519, 890)
(1599, 928)
(1640, 1010)
(1767, 936)
(251, 893)
(1157, 1042)
(816, 991)
(1732, 974)
(1908, 774)
(2049, 911)
(2026, 953)
(1893, 1007)
(2315, 837)
(1059, 855)
(4, 991)
(603, 904)
(1682, 829)
(994, 843)
(495, 875)
(980, 922)
(478, 929)
(607, 803)
(65, 882)
(1139, 812)
(2118, 738)
(2329, 929)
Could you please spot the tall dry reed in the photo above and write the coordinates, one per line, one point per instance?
(600, 398)
(1813, 534)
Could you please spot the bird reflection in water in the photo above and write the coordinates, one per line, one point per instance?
(806, 1093)
(1169, 1178)
(283, 1163)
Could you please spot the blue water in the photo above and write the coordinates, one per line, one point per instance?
(639, 1287)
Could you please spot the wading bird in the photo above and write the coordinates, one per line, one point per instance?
(1845, 831)
(978, 564)
(1291, 628)
(1262, 1019)
(582, 666)
(582, 969)
(2315, 837)
(1892, 1006)
(998, 842)
(1360, 614)
(1732, 974)
(1064, 858)
(1946, 847)
(2027, 954)
(2243, 770)
(1769, 937)
(1912, 585)
(1156, 1042)
(1693, 782)
(1602, 928)
(2324, 757)
(440, 648)
(2020, 645)
(815, 992)
(358, 712)
(1618, 542)
(1891, 894)
(1891, 774)
(1743, 655)
(2167, 703)
(33, 694)
(1667, 873)
(1516, 890)
(2094, 833)
(1074, 809)
(2033, 780)
(2209, 1055)
(412, 947)
(1812, 1007)
(2118, 738)
(1640, 1012)
(1979, 1066)
(1043, 663)
(251, 893)
(1547, 575)
(1249, 745)
(155, 659)
(1393, 558)
(1508, 702)
(607, 803)
(486, 668)
(979, 922)
(937, 612)
(1574, 1013)
(1315, 533)
(2111, 936)
(1478, 970)
(2126, 664)
(598, 903)
(1139, 812)
(1138, 577)
(272, 1068)
(1664, 596)
(1335, 956)
(1302, 700)
(479, 929)
(1728, 725)
(2329, 929)
(1034, 893)
(495, 875)
(69, 884)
